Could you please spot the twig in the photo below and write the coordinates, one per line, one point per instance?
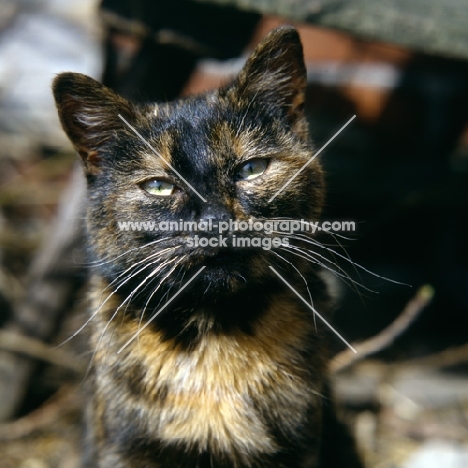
(380, 341)
(64, 401)
(54, 282)
(445, 358)
(34, 348)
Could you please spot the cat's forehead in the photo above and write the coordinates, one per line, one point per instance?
(208, 124)
(198, 114)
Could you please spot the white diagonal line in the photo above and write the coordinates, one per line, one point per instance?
(313, 309)
(161, 309)
(312, 158)
(159, 155)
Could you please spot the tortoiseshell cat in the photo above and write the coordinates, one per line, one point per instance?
(232, 373)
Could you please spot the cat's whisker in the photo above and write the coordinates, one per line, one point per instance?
(322, 257)
(206, 289)
(106, 261)
(114, 291)
(336, 235)
(155, 255)
(305, 282)
(104, 330)
(342, 247)
(306, 255)
(155, 315)
(162, 297)
(156, 290)
(153, 274)
(126, 301)
(309, 240)
(157, 270)
(320, 231)
(352, 283)
(309, 256)
(317, 244)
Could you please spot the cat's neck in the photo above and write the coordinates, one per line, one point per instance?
(282, 327)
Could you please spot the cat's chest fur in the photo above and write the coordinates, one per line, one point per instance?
(237, 393)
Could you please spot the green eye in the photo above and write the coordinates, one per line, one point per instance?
(252, 169)
(158, 187)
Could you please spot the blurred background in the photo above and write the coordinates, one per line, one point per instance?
(400, 170)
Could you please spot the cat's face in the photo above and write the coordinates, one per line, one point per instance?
(220, 156)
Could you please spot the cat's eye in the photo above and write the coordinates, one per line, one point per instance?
(252, 169)
(158, 187)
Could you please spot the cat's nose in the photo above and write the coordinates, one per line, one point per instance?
(214, 212)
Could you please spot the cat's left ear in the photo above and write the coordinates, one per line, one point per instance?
(276, 74)
(89, 114)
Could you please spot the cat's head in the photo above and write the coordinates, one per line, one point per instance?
(223, 156)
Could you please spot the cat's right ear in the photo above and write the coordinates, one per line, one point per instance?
(89, 114)
(276, 75)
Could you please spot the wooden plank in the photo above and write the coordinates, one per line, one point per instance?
(432, 26)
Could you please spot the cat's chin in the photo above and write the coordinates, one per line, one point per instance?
(223, 280)
(225, 274)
